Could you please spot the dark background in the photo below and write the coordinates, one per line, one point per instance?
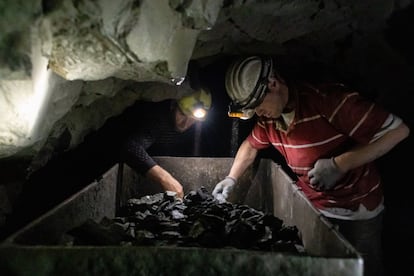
(68, 172)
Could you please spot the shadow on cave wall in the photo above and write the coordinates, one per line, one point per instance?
(68, 172)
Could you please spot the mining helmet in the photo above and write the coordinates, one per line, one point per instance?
(196, 104)
(246, 84)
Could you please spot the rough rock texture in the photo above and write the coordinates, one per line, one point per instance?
(198, 220)
(68, 66)
(60, 49)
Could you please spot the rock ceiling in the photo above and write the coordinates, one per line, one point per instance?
(67, 66)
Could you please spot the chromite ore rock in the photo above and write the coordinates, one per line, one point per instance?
(198, 220)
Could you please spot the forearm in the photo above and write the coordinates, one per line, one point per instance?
(361, 155)
(167, 181)
(244, 158)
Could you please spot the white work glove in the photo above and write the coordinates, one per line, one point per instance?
(223, 189)
(324, 174)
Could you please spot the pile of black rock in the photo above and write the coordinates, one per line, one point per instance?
(196, 221)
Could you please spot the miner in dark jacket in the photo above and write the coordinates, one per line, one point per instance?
(165, 127)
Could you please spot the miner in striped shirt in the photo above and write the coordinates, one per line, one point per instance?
(329, 136)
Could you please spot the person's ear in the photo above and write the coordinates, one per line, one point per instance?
(272, 82)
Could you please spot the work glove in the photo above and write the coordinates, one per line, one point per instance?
(324, 174)
(223, 189)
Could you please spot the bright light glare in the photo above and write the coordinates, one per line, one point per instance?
(199, 113)
(178, 81)
(21, 107)
(40, 94)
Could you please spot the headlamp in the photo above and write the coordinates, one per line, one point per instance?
(199, 112)
(196, 105)
(244, 114)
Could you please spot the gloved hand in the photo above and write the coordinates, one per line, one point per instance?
(324, 174)
(223, 189)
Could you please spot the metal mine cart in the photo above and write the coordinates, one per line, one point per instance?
(34, 250)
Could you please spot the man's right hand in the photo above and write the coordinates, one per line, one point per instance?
(223, 189)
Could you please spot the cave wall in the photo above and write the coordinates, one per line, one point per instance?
(69, 67)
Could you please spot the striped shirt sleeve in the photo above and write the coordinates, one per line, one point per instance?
(353, 115)
(390, 123)
(258, 136)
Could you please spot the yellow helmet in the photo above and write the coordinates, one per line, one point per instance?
(196, 104)
(246, 84)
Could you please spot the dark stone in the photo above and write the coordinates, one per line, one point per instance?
(198, 220)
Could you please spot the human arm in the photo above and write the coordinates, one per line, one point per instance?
(361, 155)
(327, 172)
(134, 154)
(167, 181)
(245, 156)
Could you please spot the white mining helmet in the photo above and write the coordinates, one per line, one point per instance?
(196, 104)
(246, 84)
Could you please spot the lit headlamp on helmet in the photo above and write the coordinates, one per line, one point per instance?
(246, 85)
(196, 104)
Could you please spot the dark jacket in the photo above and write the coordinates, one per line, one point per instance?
(151, 132)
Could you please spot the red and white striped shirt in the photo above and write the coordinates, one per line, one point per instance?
(328, 120)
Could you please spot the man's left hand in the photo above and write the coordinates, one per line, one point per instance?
(324, 174)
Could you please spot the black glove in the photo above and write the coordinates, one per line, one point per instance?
(223, 189)
(324, 174)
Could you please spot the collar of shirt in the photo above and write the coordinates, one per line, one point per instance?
(284, 121)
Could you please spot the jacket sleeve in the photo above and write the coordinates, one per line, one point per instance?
(143, 131)
(134, 151)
